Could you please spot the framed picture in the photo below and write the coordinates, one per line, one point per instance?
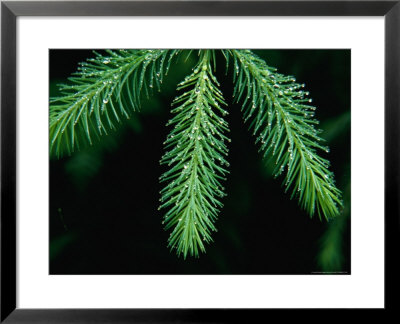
(129, 178)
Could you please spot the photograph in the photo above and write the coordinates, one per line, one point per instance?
(242, 154)
(199, 161)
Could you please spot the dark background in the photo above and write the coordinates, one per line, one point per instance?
(104, 199)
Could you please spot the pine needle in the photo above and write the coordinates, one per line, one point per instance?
(196, 152)
(281, 116)
(104, 90)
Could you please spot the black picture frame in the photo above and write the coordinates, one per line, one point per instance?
(10, 10)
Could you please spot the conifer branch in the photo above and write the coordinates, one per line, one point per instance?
(196, 157)
(108, 88)
(105, 89)
(282, 118)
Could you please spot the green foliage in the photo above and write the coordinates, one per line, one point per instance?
(282, 119)
(332, 245)
(331, 255)
(196, 154)
(105, 89)
(108, 88)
